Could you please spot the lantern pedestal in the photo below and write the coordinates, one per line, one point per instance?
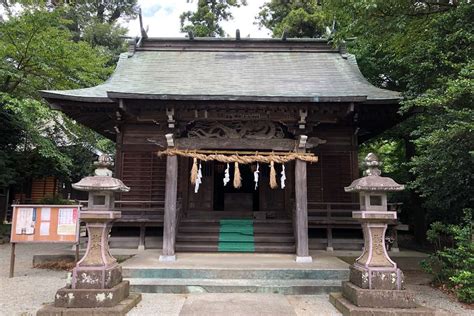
(374, 269)
(97, 269)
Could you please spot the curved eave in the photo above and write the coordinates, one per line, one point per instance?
(112, 96)
(236, 97)
(57, 95)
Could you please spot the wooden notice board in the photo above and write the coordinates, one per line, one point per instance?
(45, 224)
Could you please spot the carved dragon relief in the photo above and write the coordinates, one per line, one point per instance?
(236, 130)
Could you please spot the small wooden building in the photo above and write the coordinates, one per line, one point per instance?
(242, 97)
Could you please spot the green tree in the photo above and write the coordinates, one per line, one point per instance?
(423, 49)
(204, 22)
(297, 18)
(37, 52)
(444, 163)
(96, 22)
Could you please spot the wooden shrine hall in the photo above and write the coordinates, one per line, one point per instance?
(240, 145)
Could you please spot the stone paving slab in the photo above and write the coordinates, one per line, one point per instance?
(172, 305)
(237, 304)
(311, 305)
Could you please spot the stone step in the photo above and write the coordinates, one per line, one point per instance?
(287, 229)
(193, 214)
(213, 237)
(276, 225)
(196, 247)
(277, 286)
(217, 220)
(235, 274)
(255, 223)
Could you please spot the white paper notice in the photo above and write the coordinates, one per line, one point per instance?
(45, 214)
(44, 229)
(67, 218)
(25, 224)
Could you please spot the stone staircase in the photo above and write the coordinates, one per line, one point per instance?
(218, 280)
(202, 235)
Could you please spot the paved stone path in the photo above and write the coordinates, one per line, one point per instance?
(234, 304)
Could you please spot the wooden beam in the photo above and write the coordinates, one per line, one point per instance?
(230, 143)
(169, 223)
(301, 218)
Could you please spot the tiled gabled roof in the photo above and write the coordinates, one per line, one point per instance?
(224, 69)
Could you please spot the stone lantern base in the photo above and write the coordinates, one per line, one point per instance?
(121, 309)
(356, 301)
(376, 292)
(348, 308)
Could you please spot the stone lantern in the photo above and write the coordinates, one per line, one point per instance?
(97, 278)
(375, 282)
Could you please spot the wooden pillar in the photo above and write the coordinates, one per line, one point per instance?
(301, 199)
(169, 223)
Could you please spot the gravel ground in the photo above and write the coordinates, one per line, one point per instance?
(418, 282)
(30, 288)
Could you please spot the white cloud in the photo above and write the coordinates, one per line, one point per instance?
(162, 18)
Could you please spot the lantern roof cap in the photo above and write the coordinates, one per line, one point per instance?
(102, 179)
(373, 181)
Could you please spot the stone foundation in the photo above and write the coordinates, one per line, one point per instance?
(355, 301)
(378, 298)
(344, 306)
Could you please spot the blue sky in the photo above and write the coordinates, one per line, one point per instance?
(162, 18)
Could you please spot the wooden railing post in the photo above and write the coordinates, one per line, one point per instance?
(169, 221)
(301, 199)
(329, 246)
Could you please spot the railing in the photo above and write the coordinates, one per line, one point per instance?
(138, 211)
(337, 215)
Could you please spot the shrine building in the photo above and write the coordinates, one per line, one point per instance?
(235, 145)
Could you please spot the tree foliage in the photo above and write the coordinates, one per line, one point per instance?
(444, 164)
(205, 21)
(37, 52)
(425, 51)
(297, 18)
(95, 22)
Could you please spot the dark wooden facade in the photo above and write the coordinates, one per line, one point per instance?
(248, 95)
(140, 168)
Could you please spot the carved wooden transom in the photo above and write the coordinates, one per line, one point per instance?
(236, 129)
